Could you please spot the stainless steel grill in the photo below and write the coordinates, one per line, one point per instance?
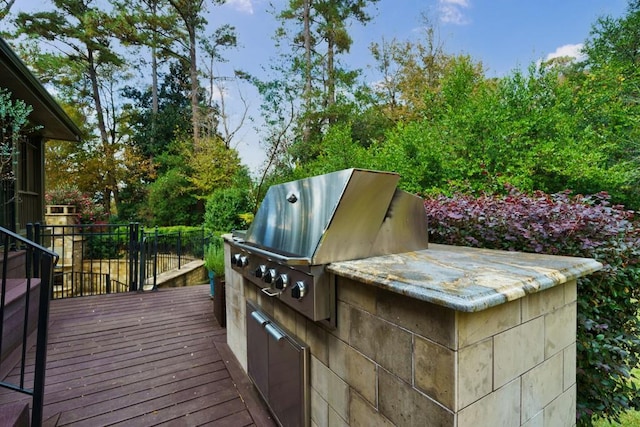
(301, 226)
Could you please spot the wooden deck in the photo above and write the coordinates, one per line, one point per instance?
(157, 358)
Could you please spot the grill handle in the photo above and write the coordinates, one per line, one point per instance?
(274, 332)
(259, 318)
(274, 256)
(270, 293)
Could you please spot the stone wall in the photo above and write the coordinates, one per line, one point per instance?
(395, 360)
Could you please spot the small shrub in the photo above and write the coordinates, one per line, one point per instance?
(226, 209)
(608, 347)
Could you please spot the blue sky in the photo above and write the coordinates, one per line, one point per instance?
(502, 34)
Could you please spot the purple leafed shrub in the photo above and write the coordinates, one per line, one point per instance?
(608, 346)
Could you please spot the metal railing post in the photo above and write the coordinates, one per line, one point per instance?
(48, 262)
(143, 260)
(155, 261)
(179, 250)
(133, 256)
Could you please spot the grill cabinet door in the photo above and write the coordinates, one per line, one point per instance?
(258, 351)
(278, 366)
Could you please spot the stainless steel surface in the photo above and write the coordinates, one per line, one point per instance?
(326, 218)
(279, 367)
(316, 301)
(404, 228)
(303, 225)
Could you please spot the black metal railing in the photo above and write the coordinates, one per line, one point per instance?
(110, 258)
(162, 252)
(94, 258)
(27, 277)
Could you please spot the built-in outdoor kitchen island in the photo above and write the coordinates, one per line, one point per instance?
(435, 336)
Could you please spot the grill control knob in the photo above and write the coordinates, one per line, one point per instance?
(299, 290)
(239, 260)
(270, 275)
(261, 271)
(282, 282)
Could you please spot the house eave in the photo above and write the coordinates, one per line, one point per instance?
(47, 115)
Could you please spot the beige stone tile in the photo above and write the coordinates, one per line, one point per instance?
(403, 405)
(265, 303)
(570, 291)
(562, 411)
(500, 408)
(335, 420)
(517, 350)
(542, 302)
(362, 414)
(435, 371)
(250, 291)
(383, 342)
(356, 294)
(317, 340)
(301, 327)
(475, 372)
(354, 368)
(536, 421)
(343, 321)
(474, 327)
(319, 375)
(330, 387)
(569, 366)
(560, 329)
(338, 395)
(431, 321)
(541, 385)
(319, 409)
(285, 317)
(236, 336)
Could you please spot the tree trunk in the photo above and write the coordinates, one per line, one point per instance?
(306, 132)
(104, 137)
(331, 75)
(193, 68)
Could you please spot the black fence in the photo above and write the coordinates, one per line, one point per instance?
(111, 258)
(162, 252)
(27, 279)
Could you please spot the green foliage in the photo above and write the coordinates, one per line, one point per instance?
(608, 346)
(213, 166)
(224, 209)
(214, 256)
(171, 202)
(14, 116)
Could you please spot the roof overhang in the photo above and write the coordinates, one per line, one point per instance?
(47, 114)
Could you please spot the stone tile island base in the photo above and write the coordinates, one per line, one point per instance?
(448, 336)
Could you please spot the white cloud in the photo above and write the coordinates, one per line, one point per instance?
(570, 50)
(244, 6)
(452, 11)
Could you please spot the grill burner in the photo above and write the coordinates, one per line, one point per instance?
(303, 225)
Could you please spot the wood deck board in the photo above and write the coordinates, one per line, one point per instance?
(157, 358)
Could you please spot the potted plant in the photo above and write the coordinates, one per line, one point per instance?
(214, 263)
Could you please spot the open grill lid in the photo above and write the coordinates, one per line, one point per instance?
(344, 215)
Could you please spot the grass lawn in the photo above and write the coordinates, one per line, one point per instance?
(628, 419)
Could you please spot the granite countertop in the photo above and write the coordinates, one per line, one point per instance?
(465, 279)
